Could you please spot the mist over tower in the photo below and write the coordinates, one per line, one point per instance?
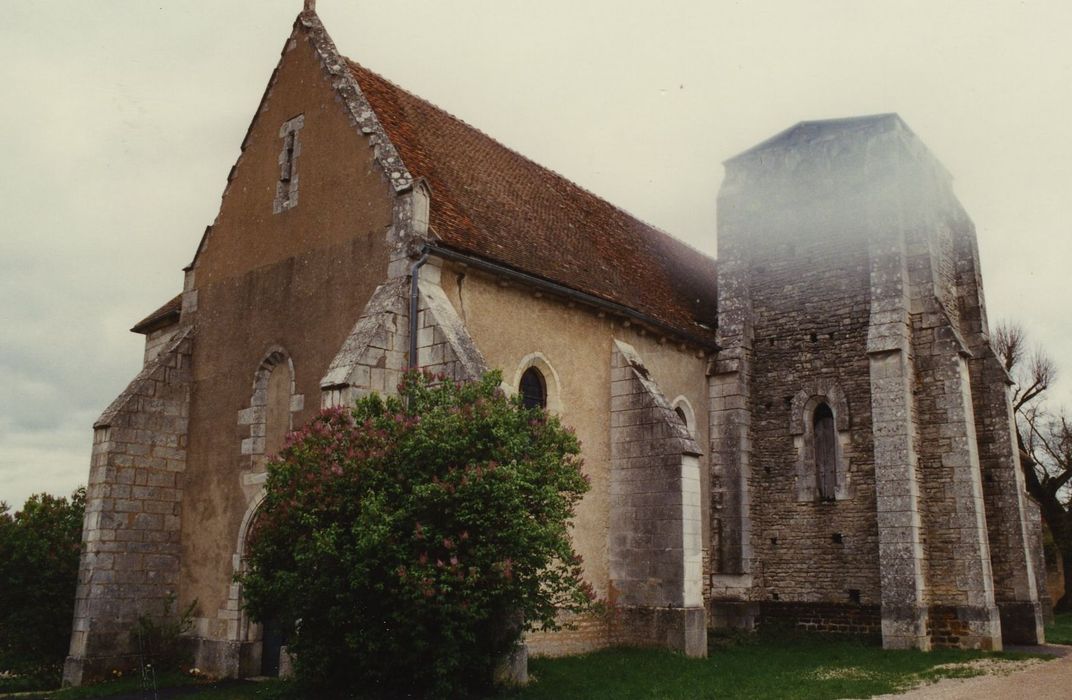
(849, 282)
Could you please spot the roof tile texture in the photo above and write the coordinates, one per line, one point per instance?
(493, 203)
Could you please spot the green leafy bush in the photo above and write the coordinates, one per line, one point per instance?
(39, 551)
(160, 640)
(409, 541)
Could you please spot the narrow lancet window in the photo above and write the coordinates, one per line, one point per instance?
(288, 158)
(286, 191)
(825, 452)
(533, 389)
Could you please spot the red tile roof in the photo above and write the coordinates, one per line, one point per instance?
(493, 203)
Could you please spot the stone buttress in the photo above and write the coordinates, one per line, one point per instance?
(655, 541)
(130, 559)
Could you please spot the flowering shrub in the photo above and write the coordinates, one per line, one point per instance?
(409, 541)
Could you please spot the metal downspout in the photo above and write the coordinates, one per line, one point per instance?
(414, 298)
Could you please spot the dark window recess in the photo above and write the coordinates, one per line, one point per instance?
(533, 389)
(681, 414)
(836, 538)
(825, 452)
(288, 158)
(854, 595)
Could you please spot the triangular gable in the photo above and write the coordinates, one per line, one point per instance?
(308, 26)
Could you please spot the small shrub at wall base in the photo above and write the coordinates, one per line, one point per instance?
(160, 641)
(409, 541)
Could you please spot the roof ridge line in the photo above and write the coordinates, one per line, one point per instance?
(525, 158)
(361, 112)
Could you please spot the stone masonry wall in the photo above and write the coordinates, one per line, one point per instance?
(957, 548)
(810, 336)
(730, 422)
(1043, 574)
(954, 512)
(1016, 571)
(898, 474)
(443, 343)
(834, 618)
(843, 268)
(156, 341)
(793, 320)
(130, 560)
(375, 354)
(655, 541)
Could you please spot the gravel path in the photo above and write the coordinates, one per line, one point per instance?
(1048, 680)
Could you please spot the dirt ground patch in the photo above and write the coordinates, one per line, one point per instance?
(1032, 678)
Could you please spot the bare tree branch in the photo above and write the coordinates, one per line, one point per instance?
(1009, 343)
(1033, 374)
(1044, 438)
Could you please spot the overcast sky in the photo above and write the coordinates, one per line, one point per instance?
(121, 118)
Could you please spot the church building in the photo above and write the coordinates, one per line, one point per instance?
(811, 431)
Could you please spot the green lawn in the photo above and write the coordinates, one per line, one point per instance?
(1060, 632)
(789, 668)
(133, 686)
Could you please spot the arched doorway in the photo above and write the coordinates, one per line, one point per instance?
(261, 644)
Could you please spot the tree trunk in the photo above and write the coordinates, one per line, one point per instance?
(1064, 604)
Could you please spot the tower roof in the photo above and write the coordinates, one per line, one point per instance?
(807, 133)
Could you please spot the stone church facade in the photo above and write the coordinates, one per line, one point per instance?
(814, 431)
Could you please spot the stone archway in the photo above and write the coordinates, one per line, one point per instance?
(260, 645)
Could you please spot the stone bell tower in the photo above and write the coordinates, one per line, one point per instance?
(864, 470)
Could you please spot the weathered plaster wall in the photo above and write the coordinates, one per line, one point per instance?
(343, 192)
(291, 282)
(508, 323)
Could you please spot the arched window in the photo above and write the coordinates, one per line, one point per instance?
(277, 421)
(681, 414)
(825, 452)
(533, 389)
(683, 410)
